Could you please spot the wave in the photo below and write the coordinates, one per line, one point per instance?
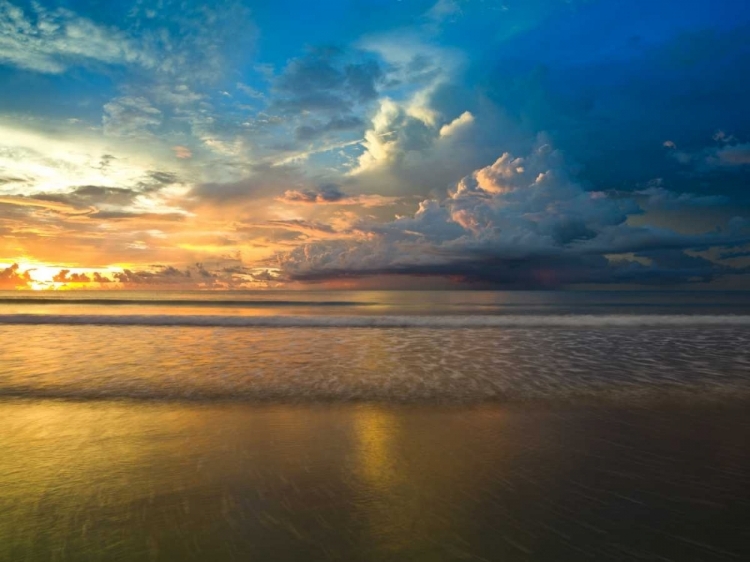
(457, 321)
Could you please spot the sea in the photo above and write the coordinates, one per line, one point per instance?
(374, 425)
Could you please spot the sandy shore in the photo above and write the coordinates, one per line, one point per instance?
(148, 481)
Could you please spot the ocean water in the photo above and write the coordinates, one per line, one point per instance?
(443, 347)
(374, 426)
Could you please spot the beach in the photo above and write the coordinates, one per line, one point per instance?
(153, 481)
(466, 427)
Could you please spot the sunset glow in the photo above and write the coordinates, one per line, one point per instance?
(454, 142)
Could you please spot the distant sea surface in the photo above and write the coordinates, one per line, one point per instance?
(374, 425)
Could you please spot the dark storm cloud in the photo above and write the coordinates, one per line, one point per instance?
(536, 273)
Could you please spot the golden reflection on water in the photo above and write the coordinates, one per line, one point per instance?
(100, 481)
(376, 431)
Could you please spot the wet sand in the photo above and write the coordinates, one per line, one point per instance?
(130, 480)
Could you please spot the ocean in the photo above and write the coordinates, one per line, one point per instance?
(345, 425)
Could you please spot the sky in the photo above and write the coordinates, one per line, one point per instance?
(375, 144)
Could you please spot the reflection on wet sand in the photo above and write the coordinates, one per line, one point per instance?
(86, 481)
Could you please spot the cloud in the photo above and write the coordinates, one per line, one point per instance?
(40, 202)
(51, 157)
(87, 196)
(224, 274)
(300, 226)
(394, 133)
(664, 199)
(735, 155)
(50, 41)
(64, 276)
(443, 10)
(182, 152)
(326, 79)
(459, 123)
(130, 116)
(331, 194)
(416, 111)
(11, 278)
(520, 220)
(324, 194)
(729, 157)
(99, 278)
(336, 124)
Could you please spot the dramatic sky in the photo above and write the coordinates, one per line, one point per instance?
(375, 143)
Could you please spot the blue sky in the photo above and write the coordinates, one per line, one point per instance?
(478, 143)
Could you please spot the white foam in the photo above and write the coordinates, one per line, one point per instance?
(509, 321)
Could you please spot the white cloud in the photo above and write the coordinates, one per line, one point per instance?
(406, 121)
(458, 124)
(57, 159)
(50, 41)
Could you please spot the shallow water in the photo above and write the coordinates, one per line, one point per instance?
(414, 364)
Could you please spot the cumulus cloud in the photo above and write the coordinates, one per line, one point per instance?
(459, 123)
(65, 276)
(406, 120)
(519, 220)
(11, 278)
(394, 132)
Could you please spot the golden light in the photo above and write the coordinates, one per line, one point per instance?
(45, 277)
